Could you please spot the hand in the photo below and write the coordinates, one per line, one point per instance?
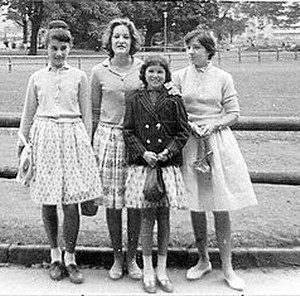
(172, 90)
(163, 156)
(151, 158)
(207, 129)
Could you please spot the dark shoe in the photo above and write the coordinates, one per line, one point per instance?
(149, 286)
(166, 285)
(57, 271)
(75, 275)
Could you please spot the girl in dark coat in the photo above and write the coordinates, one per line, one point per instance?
(155, 131)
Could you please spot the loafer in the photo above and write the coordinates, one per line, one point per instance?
(149, 286)
(116, 272)
(75, 275)
(194, 273)
(134, 272)
(57, 271)
(166, 285)
(235, 283)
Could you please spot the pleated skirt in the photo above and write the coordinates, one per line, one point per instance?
(65, 168)
(175, 197)
(227, 186)
(109, 148)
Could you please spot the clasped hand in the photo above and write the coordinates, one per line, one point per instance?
(204, 131)
(152, 157)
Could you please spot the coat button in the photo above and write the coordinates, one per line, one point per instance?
(148, 141)
(147, 126)
(158, 126)
(159, 140)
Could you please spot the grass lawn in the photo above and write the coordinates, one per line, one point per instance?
(267, 88)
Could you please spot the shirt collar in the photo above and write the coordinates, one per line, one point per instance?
(64, 67)
(203, 69)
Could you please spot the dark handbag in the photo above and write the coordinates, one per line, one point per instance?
(88, 208)
(154, 187)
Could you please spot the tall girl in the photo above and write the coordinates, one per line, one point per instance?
(155, 131)
(57, 121)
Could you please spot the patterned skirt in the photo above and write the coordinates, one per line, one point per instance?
(176, 196)
(227, 186)
(109, 147)
(65, 169)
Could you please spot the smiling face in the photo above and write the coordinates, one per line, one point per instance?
(121, 40)
(58, 52)
(155, 77)
(197, 53)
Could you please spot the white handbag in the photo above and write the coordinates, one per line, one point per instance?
(25, 170)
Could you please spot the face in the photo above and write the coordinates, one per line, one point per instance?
(58, 52)
(121, 40)
(155, 76)
(197, 53)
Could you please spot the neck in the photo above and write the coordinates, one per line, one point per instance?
(121, 61)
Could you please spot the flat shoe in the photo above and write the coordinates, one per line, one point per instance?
(236, 283)
(115, 273)
(166, 285)
(134, 271)
(194, 273)
(149, 286)
(57, 271)
(75, 275)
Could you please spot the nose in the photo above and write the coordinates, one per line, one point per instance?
(190, 50)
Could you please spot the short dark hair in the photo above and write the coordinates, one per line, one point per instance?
(155, 60)
(134, 35)
(204, 38)
(58, 30)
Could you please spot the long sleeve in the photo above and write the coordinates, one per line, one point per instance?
(29, 110)
(182, 129)
(85, 104)
(137, 149)
(96, 98)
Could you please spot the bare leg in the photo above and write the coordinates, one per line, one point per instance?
(114, 223)
(200, 231)
(133, 232)
(223, 233)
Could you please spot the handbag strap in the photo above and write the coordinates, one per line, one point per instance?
(21, 136)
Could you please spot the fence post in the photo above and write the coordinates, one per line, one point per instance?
(296, 56)
(79, 62)
(277, 54)
(9, 64)
(239, 55)
(258, 55)
(219, 57)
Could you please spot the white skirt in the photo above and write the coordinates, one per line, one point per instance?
(176, 196)
(65, 169)
(227, 186)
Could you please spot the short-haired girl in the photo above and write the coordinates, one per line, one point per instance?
(57, 120)
(155, 131)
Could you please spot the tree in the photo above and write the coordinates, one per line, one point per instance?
(85, 18)
(148, 15)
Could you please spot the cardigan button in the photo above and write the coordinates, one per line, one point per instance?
(159, 140)
(148, 141)
(158, 126)
(147, 126)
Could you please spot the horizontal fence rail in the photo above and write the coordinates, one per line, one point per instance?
(247, 123)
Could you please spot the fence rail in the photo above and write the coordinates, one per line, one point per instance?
(12, 120)
(13, 61)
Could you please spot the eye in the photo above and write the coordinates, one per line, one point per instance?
(64, 47)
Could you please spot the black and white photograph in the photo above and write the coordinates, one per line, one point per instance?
(149, 147)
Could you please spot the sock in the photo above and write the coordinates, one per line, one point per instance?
(69, 258)
(55, 255)
(161, 267)
(148, 267)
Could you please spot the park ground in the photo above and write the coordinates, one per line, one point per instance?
(267, 88)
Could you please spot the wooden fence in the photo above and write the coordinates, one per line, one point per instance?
(10, 120)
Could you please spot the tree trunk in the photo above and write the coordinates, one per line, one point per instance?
(25, 31)
(33, 39)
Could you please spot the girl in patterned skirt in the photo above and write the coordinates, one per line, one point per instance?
(57, 121)
(155, 131)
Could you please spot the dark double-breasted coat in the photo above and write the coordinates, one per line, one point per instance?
(154, 127)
